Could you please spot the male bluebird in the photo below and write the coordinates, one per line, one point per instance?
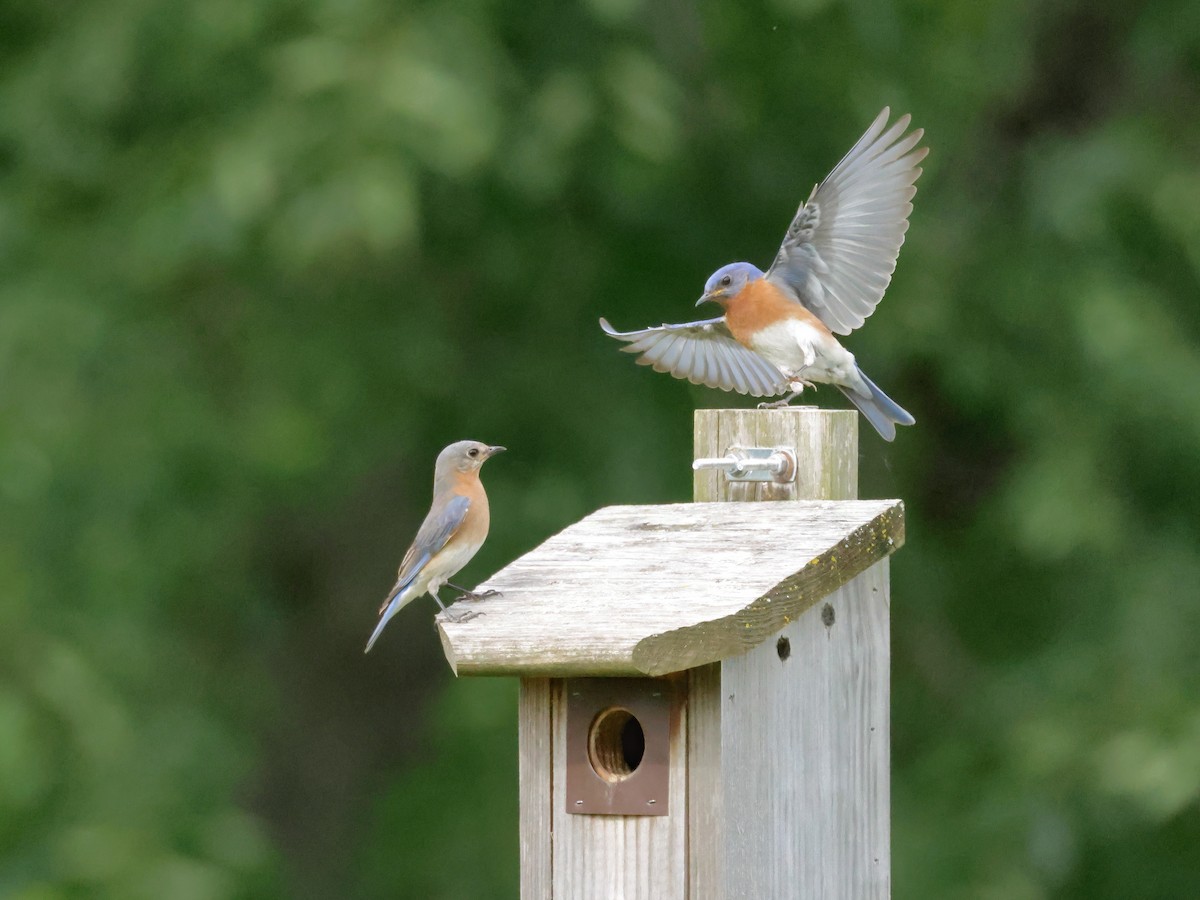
(836, 261)
(451, 534)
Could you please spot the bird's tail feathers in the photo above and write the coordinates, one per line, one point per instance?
(400, 597)
(880, 410)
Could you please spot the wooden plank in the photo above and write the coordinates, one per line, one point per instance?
(747, 628)
(653, 589)
(535, 756)
(706, 855)
(606, 857)
(806, 750)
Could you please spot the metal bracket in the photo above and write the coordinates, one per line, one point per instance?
(777, 464)
(619, 745)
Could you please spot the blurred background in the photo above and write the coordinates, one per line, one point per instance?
(260, 260)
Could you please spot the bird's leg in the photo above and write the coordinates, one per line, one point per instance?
(797, 385)
(779, 404)
(463, 617)
(472, 595)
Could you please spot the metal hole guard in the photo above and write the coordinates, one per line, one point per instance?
(644, 791)
(777, 464)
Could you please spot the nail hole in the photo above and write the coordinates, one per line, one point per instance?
(827, 615)
(784, 648)
(616, 744)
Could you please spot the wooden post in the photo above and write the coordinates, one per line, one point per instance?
(789, 745)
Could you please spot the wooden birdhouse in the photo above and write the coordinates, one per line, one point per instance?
(704, 686)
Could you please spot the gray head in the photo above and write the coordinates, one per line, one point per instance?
(464, 457)
(728, 281)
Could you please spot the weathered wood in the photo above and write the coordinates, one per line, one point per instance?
(805, 758)
(638, 590)
(535, 757)
(606, 857)
(706, 788)
(794, 801)
(825, 441)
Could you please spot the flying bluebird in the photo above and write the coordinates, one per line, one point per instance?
(835, 262)
(451, 534)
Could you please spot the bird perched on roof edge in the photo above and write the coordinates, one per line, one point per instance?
(836, 261)
(452, 533)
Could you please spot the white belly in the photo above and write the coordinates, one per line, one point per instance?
(803, 352)
(447, 562)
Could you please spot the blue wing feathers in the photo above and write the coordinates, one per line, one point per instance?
(445, 518)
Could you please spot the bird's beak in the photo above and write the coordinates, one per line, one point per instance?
(710, 297)
(492, 451)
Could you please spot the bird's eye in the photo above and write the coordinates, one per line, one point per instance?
(726, 281)
(473, 452)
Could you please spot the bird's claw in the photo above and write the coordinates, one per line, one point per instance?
(464, 616)
(797, 386)
(469, 597)
(473, 596)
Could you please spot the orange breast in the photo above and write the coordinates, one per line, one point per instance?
(475, 528)
(758, 305)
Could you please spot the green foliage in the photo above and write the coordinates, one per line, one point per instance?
(463, 794)
(262, 259)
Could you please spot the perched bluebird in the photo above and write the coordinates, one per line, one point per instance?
(836, 261)
(451, 534)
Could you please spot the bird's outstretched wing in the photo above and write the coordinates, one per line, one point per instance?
(444, 519)
(703, 353)
(840, 250)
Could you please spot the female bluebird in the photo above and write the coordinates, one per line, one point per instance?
(451, 534)
(836, 261)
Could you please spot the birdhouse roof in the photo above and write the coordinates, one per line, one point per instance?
(647, 590)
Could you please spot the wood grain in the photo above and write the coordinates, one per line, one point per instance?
(706, 785)
(535, 768)
(789, 742)
(633, 590)
(806, 753)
